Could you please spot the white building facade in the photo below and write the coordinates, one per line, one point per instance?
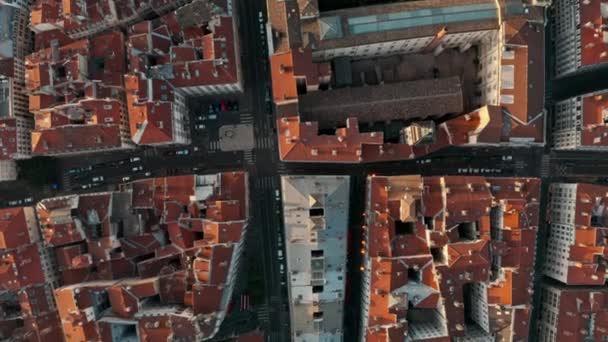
(316, 221)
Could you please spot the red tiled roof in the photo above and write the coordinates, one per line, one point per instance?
(594, 131)
(444, 261)
(584, 266)
(150, 119)
(594, 49)
(76, 95)
(574, 311)
(15, 228)
(525, 110)
(301, 142)
(20, 268)
(75, 138)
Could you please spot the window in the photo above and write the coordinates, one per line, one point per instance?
(467, 231)
(316, 253)
(317, 289)
(405, 228)
(414, 275)
(316, 212)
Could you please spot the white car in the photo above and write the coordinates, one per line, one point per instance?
(97, 179)
(134, 159)
(148, 174)
(126, 179)
(507, 157)
(137, 168)
(212, 117)
(86, 186)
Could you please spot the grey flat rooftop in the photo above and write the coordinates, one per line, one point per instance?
(395, 101)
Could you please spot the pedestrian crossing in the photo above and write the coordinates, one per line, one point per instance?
(264, 143)
(545, 166)
(214, 145)
(249, 157)
(65, 180)
(246, 118)
(264, 183)
(263, 315)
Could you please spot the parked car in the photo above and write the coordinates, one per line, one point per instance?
(184, 152)
(199, 126)
(97, 179)
(126, 178)
(86, 186)
(137, 168)
(148, 174)
(134, 159)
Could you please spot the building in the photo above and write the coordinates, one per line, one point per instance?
(580, 39)
(77, 95)
(81, 19)
(448, 258)
(573, 314)
(580, 122)
(27, 308)
(192, 51)
(316, 232)
(576, 245)
(157, 258)
(574, 292)
(14, 144)
(15, 119)
(319, 76)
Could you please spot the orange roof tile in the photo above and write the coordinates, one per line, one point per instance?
(399, 246)
(594, 49)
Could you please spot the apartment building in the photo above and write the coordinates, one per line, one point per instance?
(573, 314)
(80, 19)
(576, 246)
(77, 96)
(176, 56)
(15, 119)
(580, 42)
(157, 259)
(312, 54)
(580, 122)
(316, 222)
(448, 258)
(27, 306)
